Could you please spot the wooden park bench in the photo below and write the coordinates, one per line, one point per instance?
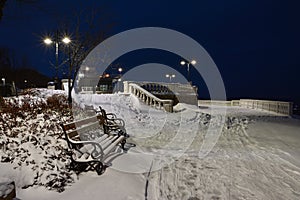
(90, 145)
(111, 122)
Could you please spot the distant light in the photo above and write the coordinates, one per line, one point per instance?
(120, 69)
(48, 41)
(25, 81)
(119, 79)
(106, 75)
(182, 63)
(66, 40)
(81, 75)
(193, 62)
(87, 69)
(170, 75)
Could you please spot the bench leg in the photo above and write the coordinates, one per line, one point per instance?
(123, 144)
(78, 167)
(100, 168)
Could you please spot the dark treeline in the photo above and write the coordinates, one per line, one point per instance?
(19, 72)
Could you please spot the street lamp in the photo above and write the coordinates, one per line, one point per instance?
(120, 69)
(3, 80)
(193, 62)
(170, 76)
(49, 41)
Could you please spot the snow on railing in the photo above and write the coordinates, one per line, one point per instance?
(280, 107)
(149, 98)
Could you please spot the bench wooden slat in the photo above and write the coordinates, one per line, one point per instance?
(104, 142)
(108, 142)
(88, 126)
(102, 138)
(78, 123)
(113, 145)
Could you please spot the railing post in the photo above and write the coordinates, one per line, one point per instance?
(168, 106)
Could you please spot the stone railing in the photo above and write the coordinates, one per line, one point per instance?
(280, 107)
(87, 90)
(182, 93)
(214, 102)
(148, 98)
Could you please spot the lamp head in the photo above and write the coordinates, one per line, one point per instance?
(48, 41)
(66, 40)
(193, 62)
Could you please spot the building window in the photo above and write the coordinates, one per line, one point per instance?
(103, 87)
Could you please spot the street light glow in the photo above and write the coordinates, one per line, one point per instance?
(48, 41)
(193, 62)
(66, 40)
(120, 69)
(170, 76)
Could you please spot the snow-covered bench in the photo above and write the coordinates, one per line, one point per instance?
(90, 146)
(111, 122)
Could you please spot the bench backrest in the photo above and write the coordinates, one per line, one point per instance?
(72, 130)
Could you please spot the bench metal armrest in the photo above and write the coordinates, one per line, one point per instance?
(117, 121)
(113, 116)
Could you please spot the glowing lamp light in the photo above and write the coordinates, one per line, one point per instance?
(169, 75)
(48, 41)
(66, 40)
(182, 63)
(193, 62)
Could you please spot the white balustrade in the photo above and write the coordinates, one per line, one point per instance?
(280, 107)
(148, 98)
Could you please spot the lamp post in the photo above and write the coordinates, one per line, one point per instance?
(56, 41)
(120, 69)
(3, 80)
(193, 62)
(170, 76)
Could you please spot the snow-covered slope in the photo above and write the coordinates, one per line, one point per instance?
(255, 156)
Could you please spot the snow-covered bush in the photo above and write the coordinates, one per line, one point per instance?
(31, 139)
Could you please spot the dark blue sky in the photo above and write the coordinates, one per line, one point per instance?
(255, 43)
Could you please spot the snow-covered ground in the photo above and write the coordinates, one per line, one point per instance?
(256, 156)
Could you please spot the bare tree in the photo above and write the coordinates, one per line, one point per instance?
(90, 29)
